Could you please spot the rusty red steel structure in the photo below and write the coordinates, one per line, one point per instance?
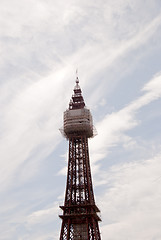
(80, 213)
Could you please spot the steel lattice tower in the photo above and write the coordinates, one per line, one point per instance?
(79, 219)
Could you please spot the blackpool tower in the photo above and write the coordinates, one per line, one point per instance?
(79, 218)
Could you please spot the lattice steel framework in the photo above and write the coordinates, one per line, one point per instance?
(79, 219)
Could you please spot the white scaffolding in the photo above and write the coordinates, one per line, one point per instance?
(78, 121)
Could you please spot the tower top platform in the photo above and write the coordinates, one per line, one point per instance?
(77, 118)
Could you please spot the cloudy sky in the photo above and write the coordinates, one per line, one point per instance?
(116, 46)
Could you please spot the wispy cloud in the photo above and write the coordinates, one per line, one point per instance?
(29, 121)
(43, 215)
(132, 202)
(113, 128)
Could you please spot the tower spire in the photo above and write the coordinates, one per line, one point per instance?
(77, 100)
(77, 79)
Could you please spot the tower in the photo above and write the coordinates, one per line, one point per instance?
(79, 218)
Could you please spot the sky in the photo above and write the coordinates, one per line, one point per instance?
(115, 45)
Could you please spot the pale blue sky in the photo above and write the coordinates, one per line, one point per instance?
(116, 47)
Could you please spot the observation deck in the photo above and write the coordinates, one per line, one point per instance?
(77, 118)
(78, 122)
